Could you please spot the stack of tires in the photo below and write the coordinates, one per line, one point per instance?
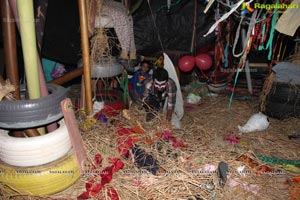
(283, 101)
(40, 165)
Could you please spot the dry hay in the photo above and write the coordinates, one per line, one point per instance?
(102, 40)
(185, 177)
(6, 89)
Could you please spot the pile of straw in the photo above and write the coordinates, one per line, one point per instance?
(185, 174)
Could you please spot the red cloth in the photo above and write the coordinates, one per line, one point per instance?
(130, 86)
(106, 177)
(124, 141)
(168, 135)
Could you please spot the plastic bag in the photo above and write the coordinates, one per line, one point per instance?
(257, 122)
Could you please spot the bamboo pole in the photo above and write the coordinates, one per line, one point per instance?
(29, 49)
(43, 87)
(27, 31)
(10, 47)
(85, 56)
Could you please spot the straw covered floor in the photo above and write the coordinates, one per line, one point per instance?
(190, 169)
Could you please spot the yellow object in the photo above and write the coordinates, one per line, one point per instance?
(28, 38)
(29, 49)
(41, 180)
(126, 115)
(160, 62)
(291, 168)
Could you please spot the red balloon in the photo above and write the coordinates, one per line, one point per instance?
(186, 63)
(203, 61)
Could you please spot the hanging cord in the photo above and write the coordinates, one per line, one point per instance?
(279, 51)
(272, 30)
(194, 36)
(265, 29)
(237, 38)
(156, 29)
(250, 28)
(210, 2)
(219, 48)
(226, 62)
(225, 16)
(283, 53)
(275, 48)
(241, 65)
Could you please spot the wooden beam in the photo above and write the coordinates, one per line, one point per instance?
(85, 56)
(10, 47)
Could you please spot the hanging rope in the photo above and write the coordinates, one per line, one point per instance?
(219, 48)
(228, 30)
(269, 44)
(225, 16)
(232, 93)
(250, 28)
(226, 56)
(156, 29)
(248, 41)
(208, 6)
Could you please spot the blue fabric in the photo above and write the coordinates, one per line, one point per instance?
(137, 85)
(48, 66)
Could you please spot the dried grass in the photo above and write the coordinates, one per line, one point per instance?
(101, 40)
(203, 132)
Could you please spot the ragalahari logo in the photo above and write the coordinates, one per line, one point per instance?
(281, 7)
(246, 8)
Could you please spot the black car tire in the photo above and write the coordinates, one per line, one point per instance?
(34, 112)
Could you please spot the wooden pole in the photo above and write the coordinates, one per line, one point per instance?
(85, 56)
(67, 77)
(29, 49)
(11, 62)
(74, 133)
(10, 47)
